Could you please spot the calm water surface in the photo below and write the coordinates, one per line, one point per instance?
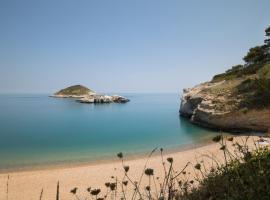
(38, 130)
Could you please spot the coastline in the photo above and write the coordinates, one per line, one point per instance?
(28, 184)
(107, 159)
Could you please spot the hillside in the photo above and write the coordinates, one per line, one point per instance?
(78, 90)
(237, 100)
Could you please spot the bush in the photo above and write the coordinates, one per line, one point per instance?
(248, 179)
(256, 92)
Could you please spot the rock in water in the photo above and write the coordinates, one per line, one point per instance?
(85, 95)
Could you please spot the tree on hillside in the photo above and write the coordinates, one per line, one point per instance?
(255, 55)
(267, 34)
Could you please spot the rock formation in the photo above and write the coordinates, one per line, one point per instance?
(237, 100)
(215, 105)
(83, 94)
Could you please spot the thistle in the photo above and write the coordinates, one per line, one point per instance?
(120, 155)
(170, 160)
(149, 172)
(197, 166)
(125, 183)
(112, 186)
(95, 192)
(74, 191)
(217, 138)
(126, 168)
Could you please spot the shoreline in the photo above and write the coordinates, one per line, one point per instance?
(107, 159)
(26, 185)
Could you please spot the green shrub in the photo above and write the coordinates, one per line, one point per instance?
(239, 180)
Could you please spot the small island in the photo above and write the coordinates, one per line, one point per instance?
(83, 94)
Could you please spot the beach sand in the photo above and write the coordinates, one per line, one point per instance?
(27, 185)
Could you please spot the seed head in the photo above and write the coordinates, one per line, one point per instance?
(170, 160)
(125, 183)
(120, 155)
(149, 172)
(148, 188)
(112, 186)
(95, 192)
(126, 168)
(217, 138)
(223, 147)
(197, 166)
(74, 190)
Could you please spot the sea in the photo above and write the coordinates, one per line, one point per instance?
(37, 130)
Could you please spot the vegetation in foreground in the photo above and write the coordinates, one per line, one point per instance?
(243, 174)
(246, 176)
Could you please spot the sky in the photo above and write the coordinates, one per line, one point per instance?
(124, 45)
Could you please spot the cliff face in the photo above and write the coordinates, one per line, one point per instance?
(217, 105)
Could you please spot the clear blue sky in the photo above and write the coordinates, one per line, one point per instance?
(122, 45)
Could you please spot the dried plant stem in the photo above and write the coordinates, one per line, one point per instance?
(140, 180)
(41, 194)
(57, 191)
(7, 186)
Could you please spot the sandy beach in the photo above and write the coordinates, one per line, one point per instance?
(27, 185)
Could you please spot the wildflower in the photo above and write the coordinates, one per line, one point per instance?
(191, 182)
(120, 155)
(89, 189)
(230, 139)
(184, 172)
(148, 188)
(73, 191)
(217, 138)
(95, 192)
(126, 168)
(107, 184)
(149, 172)
(223, 147)
(197, 166)
(125, 183)
(100, 198)
(179, 183)
(112, 186)
(170, 160)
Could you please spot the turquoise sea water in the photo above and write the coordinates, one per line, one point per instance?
(39, 130)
